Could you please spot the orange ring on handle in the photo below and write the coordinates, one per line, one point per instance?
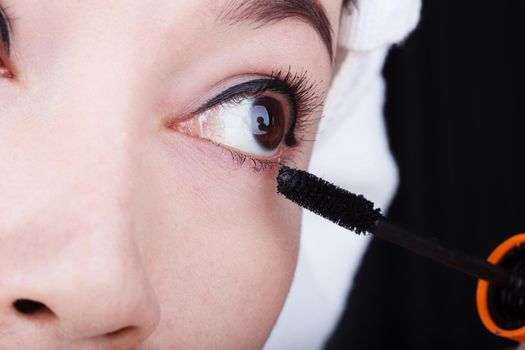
(482, 292)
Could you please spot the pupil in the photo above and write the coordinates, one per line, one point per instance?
(261, 126)
(267, 122)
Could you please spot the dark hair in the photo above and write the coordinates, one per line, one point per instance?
(349, 3)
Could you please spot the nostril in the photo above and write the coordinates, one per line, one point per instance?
(28, 307)
(121, 331)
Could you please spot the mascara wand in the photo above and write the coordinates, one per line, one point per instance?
(501, 291)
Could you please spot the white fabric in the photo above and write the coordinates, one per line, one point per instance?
(377, 23)
(351, 151)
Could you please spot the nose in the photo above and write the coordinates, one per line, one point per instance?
(71, 276)
(72, 273)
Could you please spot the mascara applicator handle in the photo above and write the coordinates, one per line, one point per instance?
(432, 249)
(502, 309)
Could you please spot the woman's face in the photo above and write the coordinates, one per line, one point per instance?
(139, 144)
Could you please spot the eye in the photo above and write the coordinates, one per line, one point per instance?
(252, 125)
(5, 68)
(4, 31)
(257, 120)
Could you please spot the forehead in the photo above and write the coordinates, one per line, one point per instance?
(182, 14)
(166, 34)
(168, 16)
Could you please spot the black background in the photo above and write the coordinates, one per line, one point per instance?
(455, 115)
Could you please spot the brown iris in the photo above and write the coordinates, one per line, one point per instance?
(267, 122)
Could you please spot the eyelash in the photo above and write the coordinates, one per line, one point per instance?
(300, 93)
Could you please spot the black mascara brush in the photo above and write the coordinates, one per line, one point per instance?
(356, 213)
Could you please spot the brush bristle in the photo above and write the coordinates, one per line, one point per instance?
(344, 208)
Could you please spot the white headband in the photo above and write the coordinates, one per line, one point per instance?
(364, 34)
(376, 23)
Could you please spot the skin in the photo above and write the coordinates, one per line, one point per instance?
(133, 235)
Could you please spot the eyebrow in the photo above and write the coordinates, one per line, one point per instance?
(264, 12)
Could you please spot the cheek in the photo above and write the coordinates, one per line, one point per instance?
(222, 248)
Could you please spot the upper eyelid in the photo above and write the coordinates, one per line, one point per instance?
(249, 88)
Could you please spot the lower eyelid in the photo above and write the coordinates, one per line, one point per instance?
(227, 157)
(242, 158)
(257, 165)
